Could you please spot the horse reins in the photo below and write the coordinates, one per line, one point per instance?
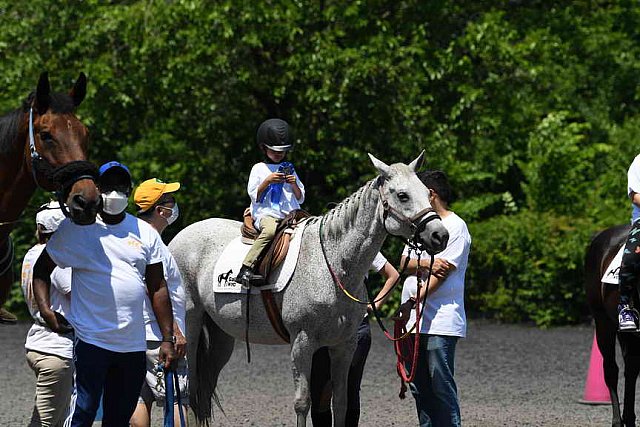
(7, 259)
(419, 305)
(171, 383)
(412, 243)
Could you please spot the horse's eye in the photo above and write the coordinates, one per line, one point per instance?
(403, 197)
(46, 136)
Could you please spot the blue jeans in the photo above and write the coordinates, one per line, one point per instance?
(118, 375)
(433, 387)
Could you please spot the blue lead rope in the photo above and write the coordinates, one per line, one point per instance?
(171, 383)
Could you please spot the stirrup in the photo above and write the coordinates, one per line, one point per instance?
(247, 277)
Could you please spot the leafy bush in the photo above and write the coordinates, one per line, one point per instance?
(528, 266)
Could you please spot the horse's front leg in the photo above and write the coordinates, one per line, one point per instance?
(341, 357)
(302, 350)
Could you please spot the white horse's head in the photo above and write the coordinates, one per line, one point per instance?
(406, 210)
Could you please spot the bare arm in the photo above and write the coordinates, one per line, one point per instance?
(291, 179)
(391, 275)
(441, 267)
(181, 341)
(161, 304)
(434, 283)
(41, 281)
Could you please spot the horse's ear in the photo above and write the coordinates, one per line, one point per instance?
(42, 93)
(79, 90)
(382, 167)
(417, 163)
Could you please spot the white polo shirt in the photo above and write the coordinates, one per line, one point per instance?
(107, 288)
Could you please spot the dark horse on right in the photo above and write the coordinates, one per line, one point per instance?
(602, 299)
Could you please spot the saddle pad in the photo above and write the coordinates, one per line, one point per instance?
(611, 274)
(230, 261)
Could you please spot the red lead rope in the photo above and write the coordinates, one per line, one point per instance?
(402, 340)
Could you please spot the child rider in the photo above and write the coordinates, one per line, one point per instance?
(275, 190)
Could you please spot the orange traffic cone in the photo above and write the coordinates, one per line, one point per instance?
(595, 389)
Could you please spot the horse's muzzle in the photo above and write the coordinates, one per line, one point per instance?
(83, 210)
(433, 238)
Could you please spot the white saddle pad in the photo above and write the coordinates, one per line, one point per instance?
(611, 274)
(230, 261)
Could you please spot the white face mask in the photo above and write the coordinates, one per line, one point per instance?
(114, 202)
(175, 212)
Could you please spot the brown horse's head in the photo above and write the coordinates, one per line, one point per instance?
(56, 147)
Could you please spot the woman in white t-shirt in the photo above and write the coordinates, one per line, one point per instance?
(49, 354)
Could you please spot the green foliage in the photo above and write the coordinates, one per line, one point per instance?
(530, 107)
(527, 267)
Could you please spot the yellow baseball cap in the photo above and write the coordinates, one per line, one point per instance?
(150, 191)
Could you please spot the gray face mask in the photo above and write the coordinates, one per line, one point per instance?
(175, 212)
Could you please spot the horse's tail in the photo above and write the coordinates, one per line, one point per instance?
(213, 352)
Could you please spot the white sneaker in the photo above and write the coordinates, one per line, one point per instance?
(627, 319)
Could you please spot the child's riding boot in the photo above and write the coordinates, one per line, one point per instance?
(247, 277)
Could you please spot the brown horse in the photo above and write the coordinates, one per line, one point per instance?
(602, 299)
(43, 144)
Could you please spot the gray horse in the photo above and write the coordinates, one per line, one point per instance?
(315, 312)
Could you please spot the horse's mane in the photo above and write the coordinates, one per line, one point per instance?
(60, 103)
(345, 213)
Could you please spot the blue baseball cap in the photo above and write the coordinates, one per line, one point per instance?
(113, 164)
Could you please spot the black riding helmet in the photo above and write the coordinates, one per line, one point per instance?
(274, 134)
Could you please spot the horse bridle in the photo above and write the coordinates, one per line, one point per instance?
(85, 170)
(417, 222)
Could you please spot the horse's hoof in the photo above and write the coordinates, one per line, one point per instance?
(7, 318)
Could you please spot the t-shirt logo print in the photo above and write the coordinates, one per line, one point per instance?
(134, 243)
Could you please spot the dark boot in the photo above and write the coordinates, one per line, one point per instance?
(247, 277)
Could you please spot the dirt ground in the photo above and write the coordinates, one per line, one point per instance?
(508, 375)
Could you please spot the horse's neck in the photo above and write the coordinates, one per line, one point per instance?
(16, 183)
(354, 234)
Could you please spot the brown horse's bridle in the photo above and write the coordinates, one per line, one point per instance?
(85, 170)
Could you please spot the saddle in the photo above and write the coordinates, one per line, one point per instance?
(270, 259)
(277, 250)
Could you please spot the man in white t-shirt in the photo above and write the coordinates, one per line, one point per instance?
(113, 260)
(49, 354)
(443, 321)
(157, 206)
